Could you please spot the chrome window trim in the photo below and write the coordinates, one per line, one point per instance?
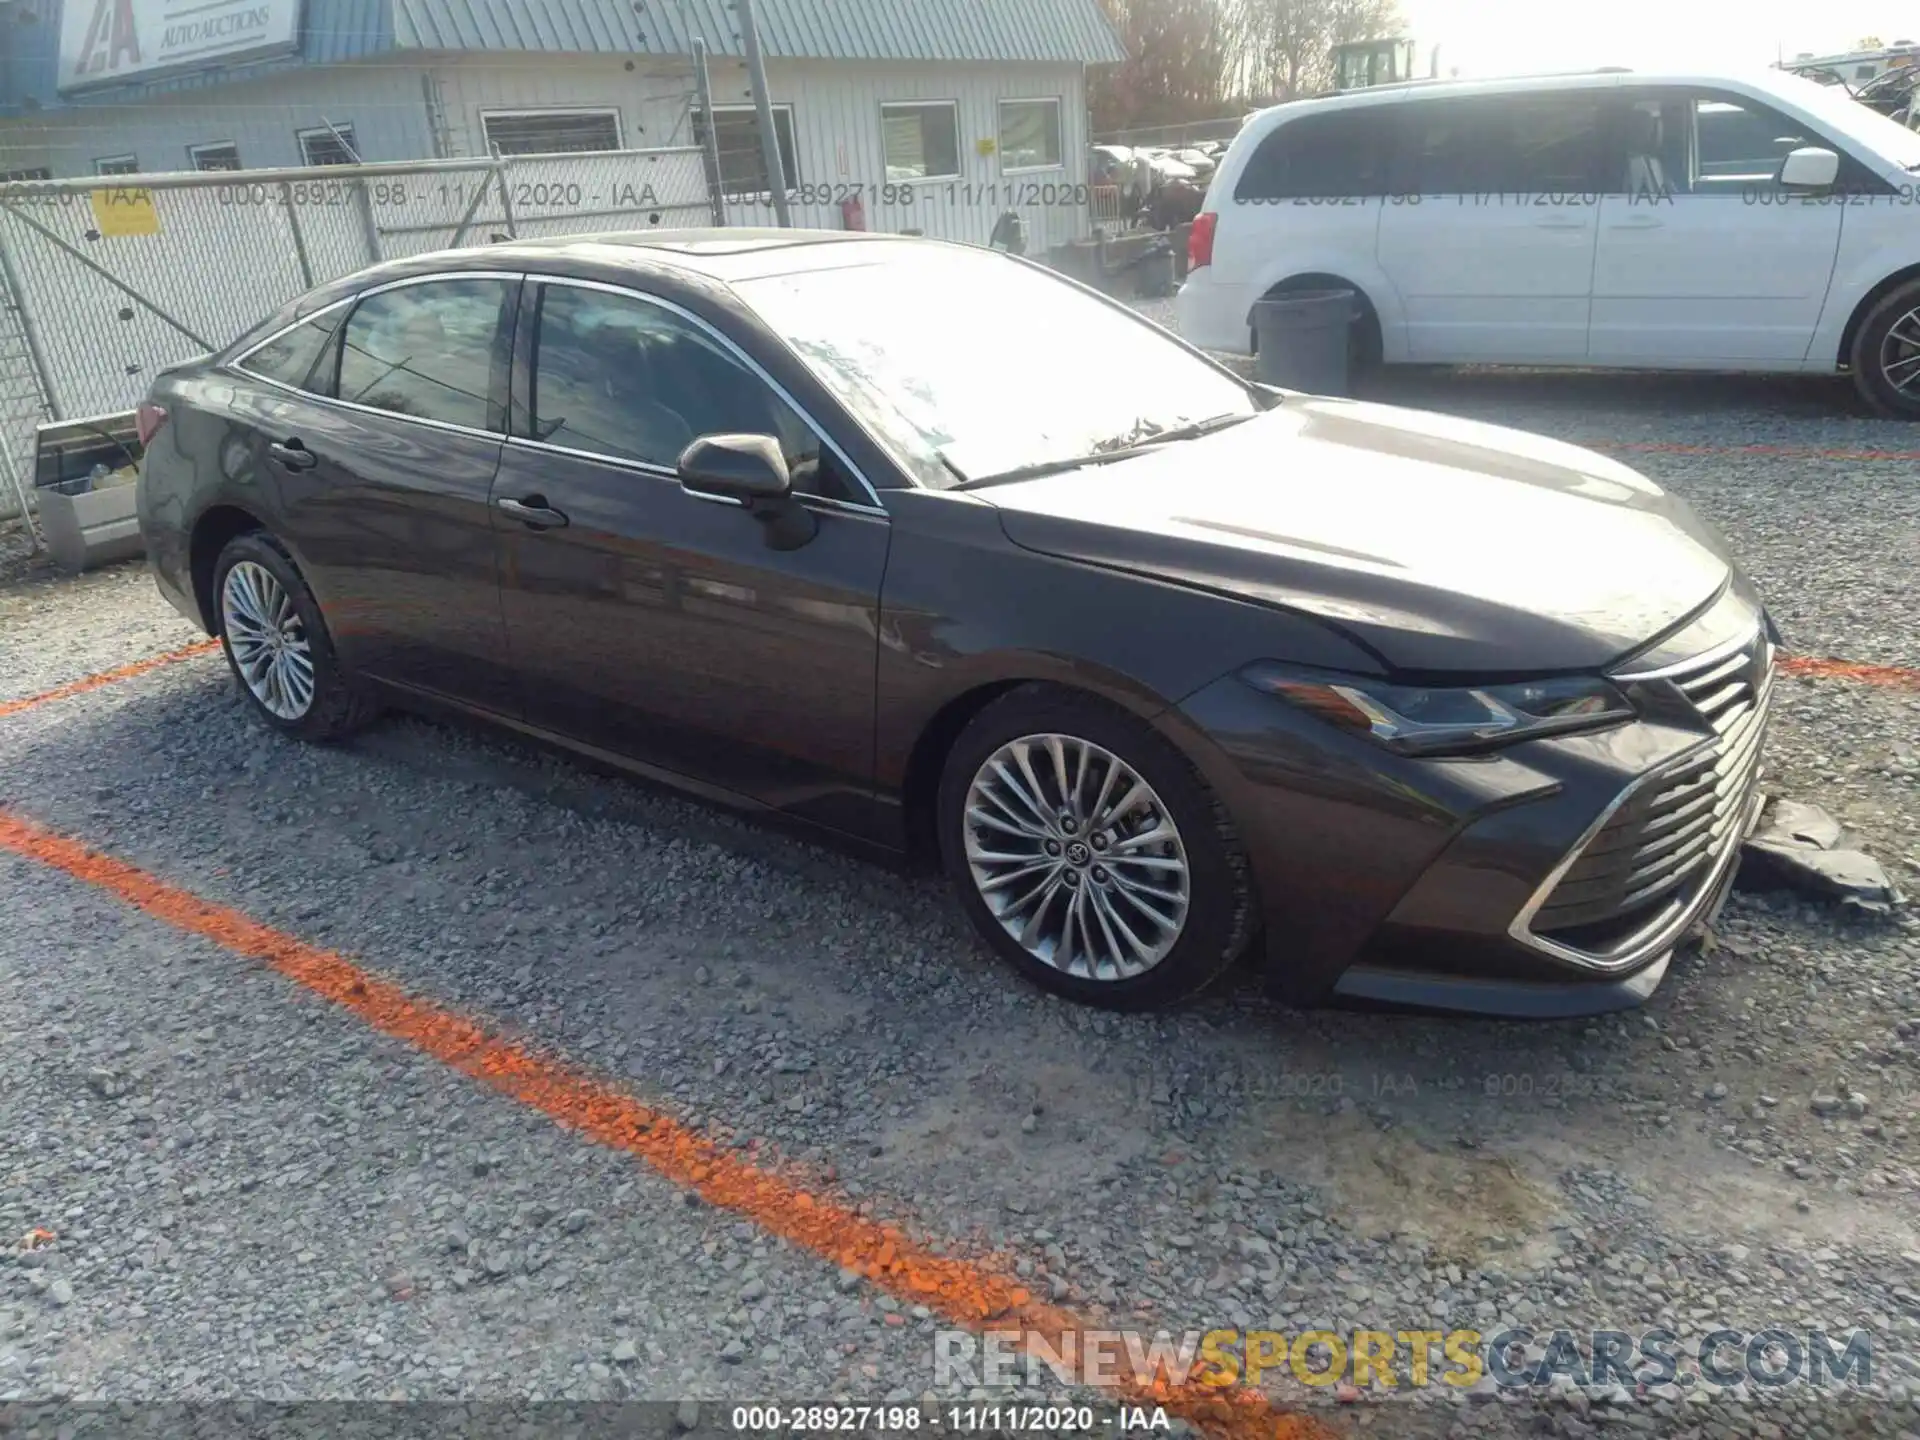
(667, 473)
(1660, 933)
(848, 506)
(733, 349)
(239, 361)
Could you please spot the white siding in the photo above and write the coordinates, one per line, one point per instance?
(384, 103)
(836, 123)
(836, 120)
(652, 102)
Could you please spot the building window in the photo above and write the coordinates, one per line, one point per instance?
(743, 165)
(117, 165)
(1030, 135)
(921, 140)
(328, 145)
(221, 155)
(550, 132)
(38, 172)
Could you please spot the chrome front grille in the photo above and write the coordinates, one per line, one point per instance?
(1653, 857)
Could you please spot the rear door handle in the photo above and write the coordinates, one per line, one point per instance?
(533, 512)
(292, 455)
(1562, 223)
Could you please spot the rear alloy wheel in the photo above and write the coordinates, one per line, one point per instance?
(269, 646)
(1087, 852)
(277, 643)
(1886, 354)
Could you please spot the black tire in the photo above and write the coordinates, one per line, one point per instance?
(1221, 908)
(1873, 346)
(339, 706)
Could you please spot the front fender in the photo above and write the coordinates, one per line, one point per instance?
(1865, 262)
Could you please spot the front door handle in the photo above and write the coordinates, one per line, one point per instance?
(533, 512)
(290, 454)
(1638, 222)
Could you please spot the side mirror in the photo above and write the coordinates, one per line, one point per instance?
(749, 471)
(740, 468)
(1809, 168)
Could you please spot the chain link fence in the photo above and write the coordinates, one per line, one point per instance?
(102, 286)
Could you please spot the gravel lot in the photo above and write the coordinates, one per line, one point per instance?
(255, 1196)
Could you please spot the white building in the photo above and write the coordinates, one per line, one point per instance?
(934, 115)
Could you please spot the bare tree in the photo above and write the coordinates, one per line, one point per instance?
(1178, 58)
(1201, 59)
(1284, 48)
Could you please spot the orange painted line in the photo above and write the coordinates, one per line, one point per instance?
(963, 1292)
(107, 677)
(1813, 667)
(1783, 452)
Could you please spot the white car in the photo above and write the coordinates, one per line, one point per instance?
(1697, 222)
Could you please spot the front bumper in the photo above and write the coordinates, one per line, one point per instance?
(1553, 878)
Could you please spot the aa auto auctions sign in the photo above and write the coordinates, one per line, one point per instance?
(103, 42)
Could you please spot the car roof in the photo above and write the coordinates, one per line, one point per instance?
(694, 260)
(725, 255)
(1601, 78)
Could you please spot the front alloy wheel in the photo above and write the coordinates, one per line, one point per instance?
(1077, 857)
(1088, 852)
(1899, 359)
(1886, 354)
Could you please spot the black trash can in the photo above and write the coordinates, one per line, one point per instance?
(1302, 340)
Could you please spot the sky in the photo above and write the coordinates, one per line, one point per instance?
(1488, 37)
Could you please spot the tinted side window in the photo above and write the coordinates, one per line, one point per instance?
(619, 376)
(302, 357)
(426, 350)
(1334, 155)
(1501, 145)
(1744, 143)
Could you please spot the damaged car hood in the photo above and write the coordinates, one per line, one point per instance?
(1443, 545)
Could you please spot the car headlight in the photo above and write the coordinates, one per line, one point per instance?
(1441, 720)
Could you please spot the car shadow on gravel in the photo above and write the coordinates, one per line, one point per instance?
(931, 1071)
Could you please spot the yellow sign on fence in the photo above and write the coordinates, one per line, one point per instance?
(126, 210)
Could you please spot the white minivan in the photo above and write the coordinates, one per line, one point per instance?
(1698, 222)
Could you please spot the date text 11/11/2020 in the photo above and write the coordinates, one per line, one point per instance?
(570, 195)
(387, 194)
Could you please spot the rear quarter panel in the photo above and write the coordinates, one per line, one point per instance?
(205, 456)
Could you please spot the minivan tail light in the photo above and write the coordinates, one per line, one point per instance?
(1200, 239)
(147, 421)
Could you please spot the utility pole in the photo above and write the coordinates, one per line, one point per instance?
(710, 141)
(769, 140)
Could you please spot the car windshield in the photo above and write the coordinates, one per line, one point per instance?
(1849, 120)
(971, 365)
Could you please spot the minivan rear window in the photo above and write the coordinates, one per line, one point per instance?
(1334, 155)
